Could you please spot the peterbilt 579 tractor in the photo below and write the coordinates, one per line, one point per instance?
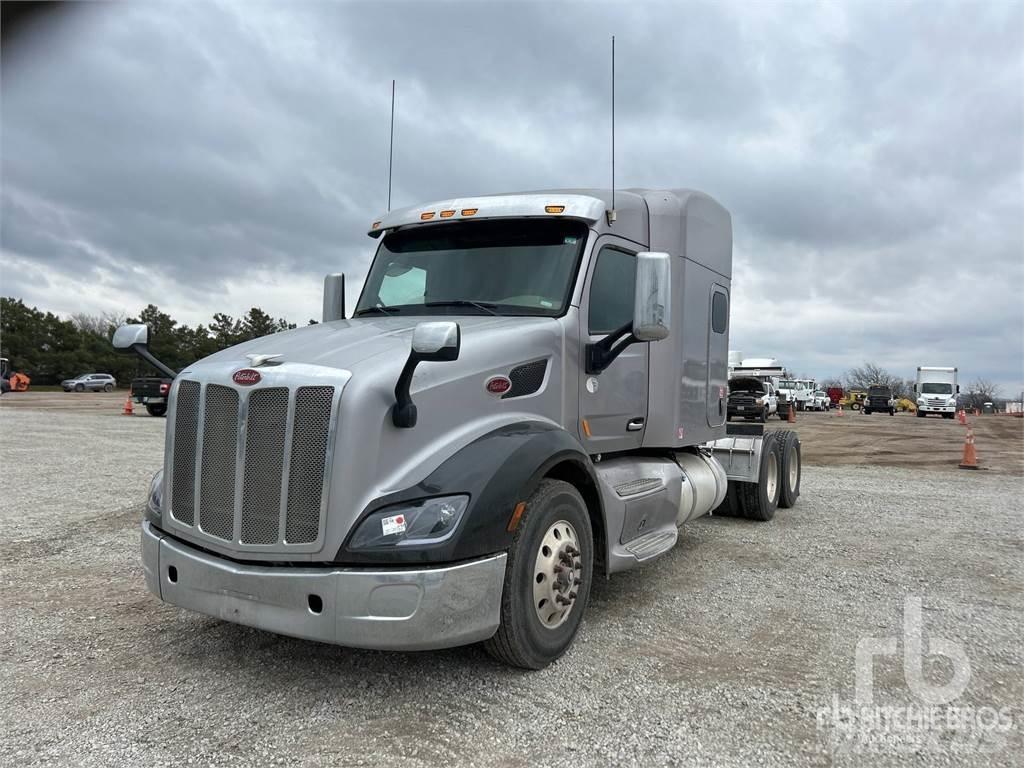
(531, 393)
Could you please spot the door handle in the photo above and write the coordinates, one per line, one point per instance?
(635, 425)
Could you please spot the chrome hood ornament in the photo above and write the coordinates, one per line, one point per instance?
(256, 361)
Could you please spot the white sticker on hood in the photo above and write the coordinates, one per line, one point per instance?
(393, 524)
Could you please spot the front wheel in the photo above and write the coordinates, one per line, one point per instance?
(855, 407)
(892, 411)
(920, 413)
(764, 416)
(547, 578)
(79, 387)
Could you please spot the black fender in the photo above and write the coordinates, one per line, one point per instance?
(497, 470)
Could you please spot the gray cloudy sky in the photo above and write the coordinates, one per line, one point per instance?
(209, 157)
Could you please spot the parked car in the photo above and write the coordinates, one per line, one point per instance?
(93, 382)
(751, 398)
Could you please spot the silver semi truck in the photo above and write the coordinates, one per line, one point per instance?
(530, 393)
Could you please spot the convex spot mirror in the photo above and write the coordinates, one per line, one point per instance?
(437, 341)
(129, 336)
(652, 300)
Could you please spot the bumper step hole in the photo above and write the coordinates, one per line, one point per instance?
(172, 574)
(316, 604)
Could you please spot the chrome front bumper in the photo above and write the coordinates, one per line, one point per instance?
(382, 608)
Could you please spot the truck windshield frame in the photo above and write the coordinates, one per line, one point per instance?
(936, 388)
(511, 267)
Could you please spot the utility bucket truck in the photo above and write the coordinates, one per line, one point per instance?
(530, 394)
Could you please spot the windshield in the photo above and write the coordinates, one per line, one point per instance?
(787, 384)
(878, 390)
(820, 393)
(936, 389)
(521, 267)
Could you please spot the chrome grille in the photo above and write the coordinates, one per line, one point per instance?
(306, 474)
(217, 476)
(249, 466)
(186, 424)
(264, 465)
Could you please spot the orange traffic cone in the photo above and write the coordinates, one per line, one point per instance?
(791, 416)
(970, 460)
(128, 410)
(962, 416)
(839, 411)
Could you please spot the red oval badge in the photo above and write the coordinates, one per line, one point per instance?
(498, 385)
(246, 377)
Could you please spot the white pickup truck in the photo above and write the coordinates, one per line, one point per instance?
(751, 398)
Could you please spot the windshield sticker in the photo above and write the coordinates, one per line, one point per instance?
(570, 241)
(393, 524)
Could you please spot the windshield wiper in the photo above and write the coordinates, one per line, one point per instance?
(380, 309)
(485, 306)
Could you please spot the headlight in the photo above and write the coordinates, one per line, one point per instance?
(760, 401)
(156, 490)
(426, 521)
(951, 402)
(920, 401)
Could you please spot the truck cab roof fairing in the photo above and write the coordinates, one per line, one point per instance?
(572, 204)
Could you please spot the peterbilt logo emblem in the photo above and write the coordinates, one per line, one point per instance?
(498, 385)
(246, 377)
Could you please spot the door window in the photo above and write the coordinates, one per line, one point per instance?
(611, 290)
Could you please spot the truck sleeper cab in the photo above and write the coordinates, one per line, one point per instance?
(530, 392)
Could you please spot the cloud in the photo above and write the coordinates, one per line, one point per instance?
(207, 157)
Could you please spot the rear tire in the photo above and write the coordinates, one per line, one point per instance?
(108, 387)
(527, 637)
(156, 409)
(758, 501)
(791, 466)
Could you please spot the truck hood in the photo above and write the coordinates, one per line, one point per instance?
(349, 343)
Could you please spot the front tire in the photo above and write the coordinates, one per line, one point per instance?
(79, 387)
(547, 578)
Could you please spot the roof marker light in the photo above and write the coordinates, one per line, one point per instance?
(375, 225)
(447, 214)
(554, 208)
(427, 216)
(469, 211)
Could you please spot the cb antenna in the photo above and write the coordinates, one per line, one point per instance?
(391, 144)
(611, 213)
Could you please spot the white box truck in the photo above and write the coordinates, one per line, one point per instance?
(936, 389)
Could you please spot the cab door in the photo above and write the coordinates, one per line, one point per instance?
(613, 403)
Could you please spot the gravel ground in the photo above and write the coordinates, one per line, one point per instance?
(724, 652)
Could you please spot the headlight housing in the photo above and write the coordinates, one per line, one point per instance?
(156, 492)
(414, 523)
(920, 401)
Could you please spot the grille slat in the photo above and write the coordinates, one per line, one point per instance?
(186, 423)
(217, 476)
(308, 454)
(264, 464)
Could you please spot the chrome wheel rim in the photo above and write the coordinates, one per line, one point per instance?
(557, 574)
(771, 482)
(794, 468)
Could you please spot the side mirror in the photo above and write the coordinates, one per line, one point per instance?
(652, 299)
(437, 342)
(128, 336)
(334, 297)
(434, 342)
(135, 338)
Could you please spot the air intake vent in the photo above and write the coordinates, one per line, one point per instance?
(526, 379)
(186, 423)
